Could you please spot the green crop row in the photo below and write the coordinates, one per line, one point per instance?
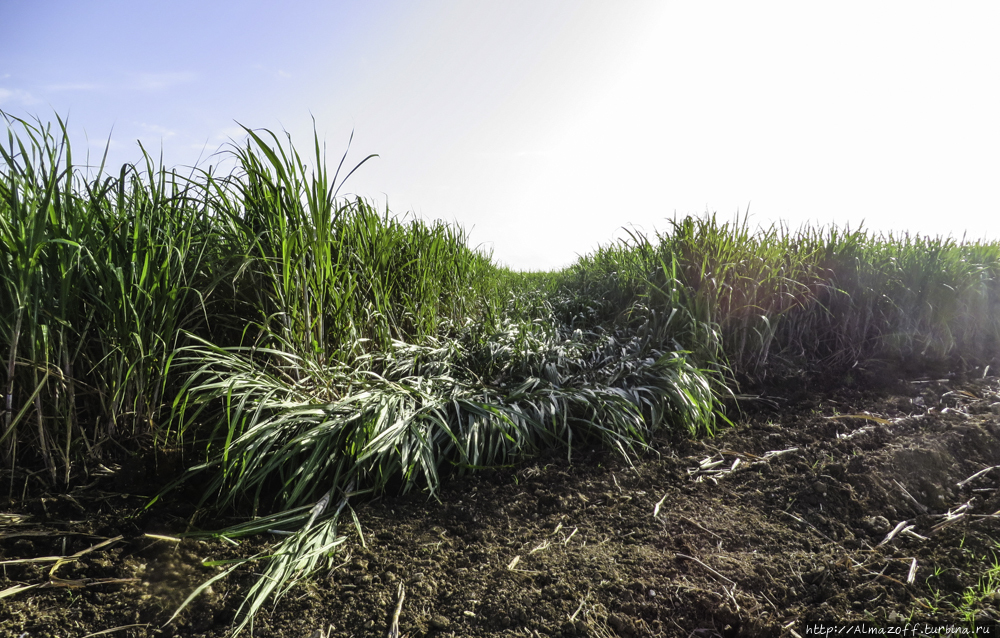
(821, 298)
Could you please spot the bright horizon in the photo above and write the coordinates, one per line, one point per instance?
(544, 127)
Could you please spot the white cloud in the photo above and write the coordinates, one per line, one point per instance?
(161, 81)
(155, 129)
(112, 143)
(511, 155)
(77, 86)
(277, 73)
(228, 134)
(17, 96)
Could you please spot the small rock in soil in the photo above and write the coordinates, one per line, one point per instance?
(440, 623)
(876, 524)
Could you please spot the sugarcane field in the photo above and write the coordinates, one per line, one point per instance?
(245, 404)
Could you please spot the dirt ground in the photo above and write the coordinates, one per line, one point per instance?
(877, 501)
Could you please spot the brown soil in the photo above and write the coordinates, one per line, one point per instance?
(788, 527)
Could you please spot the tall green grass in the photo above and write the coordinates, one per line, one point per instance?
(99, 277)
(327, 273)
(825, 298)
(106, 278)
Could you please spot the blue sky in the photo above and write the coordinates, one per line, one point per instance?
(546, 126)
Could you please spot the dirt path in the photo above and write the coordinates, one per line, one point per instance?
(757, 532)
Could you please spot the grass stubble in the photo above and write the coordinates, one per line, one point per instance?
(315, 349)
